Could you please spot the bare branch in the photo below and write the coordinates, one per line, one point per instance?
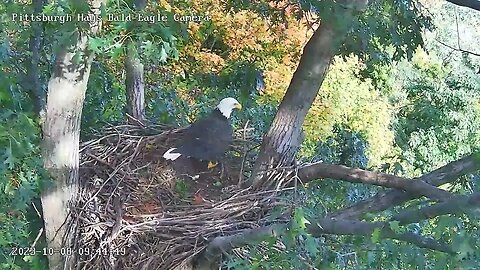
(456, 205)
(457, 49)
(419, 187)
(385, 200)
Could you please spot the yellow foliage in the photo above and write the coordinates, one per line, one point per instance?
(346, 99)
(244, 33)
(277, 81)
(213, 61)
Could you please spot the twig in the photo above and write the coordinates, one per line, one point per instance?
(36, 210)
(36, 238)
(457, 49)
(458, 31)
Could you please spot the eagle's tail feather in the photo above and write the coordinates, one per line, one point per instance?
(171, 156)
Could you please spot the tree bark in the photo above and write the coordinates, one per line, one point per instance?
(134, 80)
(460, 204)
(385, 200)
(34, 85)
(282, 141)
(61, 132)
(354, 175)
(211, 256)
(135, 85)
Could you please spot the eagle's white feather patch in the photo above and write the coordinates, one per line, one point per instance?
(171, 156)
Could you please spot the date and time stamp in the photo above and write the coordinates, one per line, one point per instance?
(32, 251)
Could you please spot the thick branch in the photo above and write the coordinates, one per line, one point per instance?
(347, 227)
(224, 244)
(473, 4)
(460, 204)
(385, 200)
(419, 187)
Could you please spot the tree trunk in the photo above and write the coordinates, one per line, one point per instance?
(134, 76)
(61, 132)
(135, 85)
(34, 85)
(285, 135)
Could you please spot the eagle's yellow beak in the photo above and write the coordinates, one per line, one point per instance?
(238, 106)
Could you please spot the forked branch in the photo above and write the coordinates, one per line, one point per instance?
(385, 200)
(459, 204)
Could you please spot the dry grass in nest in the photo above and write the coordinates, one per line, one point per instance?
(129, 214)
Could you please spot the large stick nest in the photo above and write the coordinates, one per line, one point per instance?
(135, 213)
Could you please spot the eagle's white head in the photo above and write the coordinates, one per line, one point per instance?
(226, 106)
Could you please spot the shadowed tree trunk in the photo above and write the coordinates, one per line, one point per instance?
(135, 85)
(61, 132)
(34, 85)
(134, 81)
(285, 135)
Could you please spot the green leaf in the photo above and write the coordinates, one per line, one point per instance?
(311, 245)
(95, 44)
(148, 48)
(289, 238)
(163, 55)
(395, 226)
(116, 51)
(167, 47)
(9, 158)
(300, 222)
(49, 9)
(77, 58)
(371, 257)
(79, 7)
(103, 11)
(376, 235)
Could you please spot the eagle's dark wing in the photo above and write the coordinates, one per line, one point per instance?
(207, 138)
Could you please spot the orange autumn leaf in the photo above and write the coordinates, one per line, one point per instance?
(198, 199)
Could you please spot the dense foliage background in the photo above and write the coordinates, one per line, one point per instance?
(384, 106)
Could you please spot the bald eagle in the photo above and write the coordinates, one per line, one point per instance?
(208, 139)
